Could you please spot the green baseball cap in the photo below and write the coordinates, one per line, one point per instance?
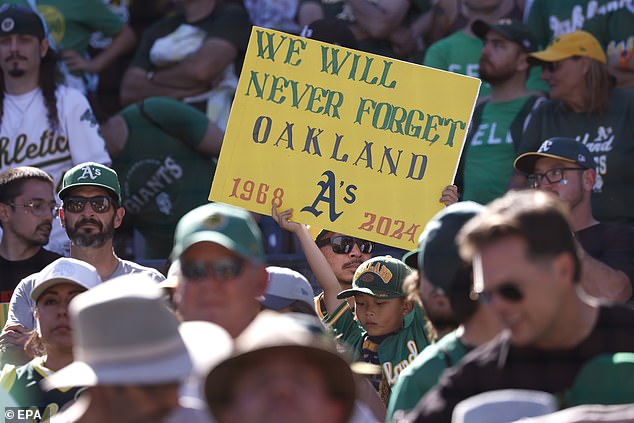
(438, 257)
(511, 29)
(225, 225)
(380, 277)
(561, 148)
(21, 19)
(91, 174)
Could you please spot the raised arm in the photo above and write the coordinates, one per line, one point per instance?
(318, 264)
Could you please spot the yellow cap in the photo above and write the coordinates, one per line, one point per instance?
(578, 43)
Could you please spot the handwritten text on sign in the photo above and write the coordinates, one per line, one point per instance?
(353, 142)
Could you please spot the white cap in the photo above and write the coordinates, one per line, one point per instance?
(285, 287)
(64, 270)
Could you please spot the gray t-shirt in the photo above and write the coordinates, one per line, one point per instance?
(21, 306)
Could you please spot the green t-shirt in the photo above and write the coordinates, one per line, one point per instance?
(490, 153)
(423, 373)
(162, 176)
(396, 351)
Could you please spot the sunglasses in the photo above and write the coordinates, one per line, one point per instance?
(344, 244)
(508, 291)
(221, 270)
(76, 204)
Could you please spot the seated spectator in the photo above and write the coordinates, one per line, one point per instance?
(585, 106)
(52, 344)
(193, 56)
(564, 167)
(283, 369)
(27, 211)
(527, 269)
(128, 351)
(440, 262)
(162, 183)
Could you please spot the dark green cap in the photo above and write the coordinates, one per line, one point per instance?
(511, 29)
(561, 148)
(91, 174)
(380, 277)
(438, 257)
(225, 225)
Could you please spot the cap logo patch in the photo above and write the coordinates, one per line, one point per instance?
(581, 158)
(8, 24)
(545, 146)
(64, 269)
(89, 173)
(215, 221)
(378, 269)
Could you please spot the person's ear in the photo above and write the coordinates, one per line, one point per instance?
(62, 219)
(589, 178)
(4, 212)
(408, 306)
(44, 46)
(118, 217)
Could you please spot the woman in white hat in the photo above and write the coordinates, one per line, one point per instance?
(51, 342)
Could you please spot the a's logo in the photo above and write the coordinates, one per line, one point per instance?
(215, 221)
(89, 173)
(7, 25)
(545, 146)
(581, 158)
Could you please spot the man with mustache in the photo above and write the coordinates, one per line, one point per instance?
(487, 162)
(91, 212)
(43, 123)
(27, 210)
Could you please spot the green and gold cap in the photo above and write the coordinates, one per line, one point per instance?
(91, 174)
(380, 277)
(231, 227)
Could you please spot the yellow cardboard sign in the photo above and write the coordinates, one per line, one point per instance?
(354, 142)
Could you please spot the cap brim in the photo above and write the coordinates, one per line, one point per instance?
(216, 238)
(351, 292)
(411, 259)
(547, 56)
(526, 162)
(274, 302)
(141, 372)
(39, 289)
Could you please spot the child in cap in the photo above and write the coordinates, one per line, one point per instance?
(51, 342)
(385, 327)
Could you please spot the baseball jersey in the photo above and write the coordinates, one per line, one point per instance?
(23, 384)
(21, 306)
(395, 351)
(610, 139)
(26, 139)
(423, 373)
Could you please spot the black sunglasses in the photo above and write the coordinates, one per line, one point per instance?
(221, 270)
(508, 291)
(76, 204)
(343, 244)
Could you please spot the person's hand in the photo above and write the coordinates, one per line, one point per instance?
(449, 195)
(283, 219)
(75, 62)
(15, 335)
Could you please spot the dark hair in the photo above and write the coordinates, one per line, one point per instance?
(49, 78)
(12, 181)
(537, 217)
(460, 298)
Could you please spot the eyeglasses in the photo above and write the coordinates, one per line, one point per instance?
(344, 244)
(221, 270)
(99, 204)
(39, 208)
(552, 176)
(508, 291)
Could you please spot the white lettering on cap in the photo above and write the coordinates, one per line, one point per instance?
(545, 146)
(89, 172)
